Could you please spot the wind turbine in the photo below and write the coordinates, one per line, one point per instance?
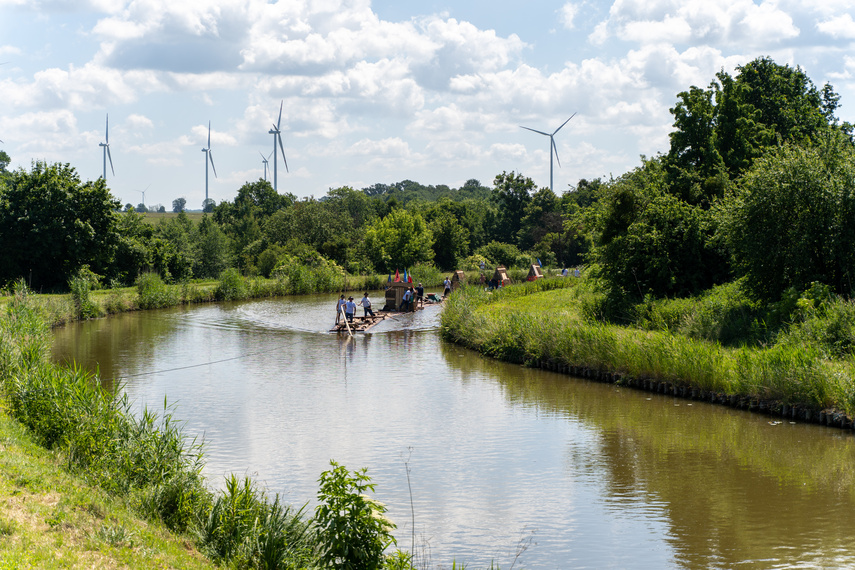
(278, 137)
(208, 158)
(106, 145)
(263, 159)
(552, 147)
(143, 194)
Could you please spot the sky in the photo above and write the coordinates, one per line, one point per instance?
(379, 91)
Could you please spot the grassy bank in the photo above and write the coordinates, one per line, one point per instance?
(87, 300)
(50, 518)
(549, 323)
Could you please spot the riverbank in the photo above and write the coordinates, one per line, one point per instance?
(50, 518)
(544, 324)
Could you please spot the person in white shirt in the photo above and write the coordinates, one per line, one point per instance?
(365, 303)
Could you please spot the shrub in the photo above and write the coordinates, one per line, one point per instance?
(503, 254)
(352, 529)
(153, 293)
(232, 286)
(81, 287)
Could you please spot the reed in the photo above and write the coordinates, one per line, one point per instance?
(545, 321)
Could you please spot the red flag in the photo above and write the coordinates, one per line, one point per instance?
(397, 276)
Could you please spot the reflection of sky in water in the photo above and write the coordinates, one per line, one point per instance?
(603, 477)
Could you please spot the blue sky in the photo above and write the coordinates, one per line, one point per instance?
(379, 91)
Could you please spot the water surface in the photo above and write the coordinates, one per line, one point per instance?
(503, 460)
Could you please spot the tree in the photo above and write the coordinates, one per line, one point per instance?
(651, 242)
(178, 205)
(51, 224)
(695, 167)
(4, 162)
(208, 205)
(398, 241)
(451, 240)
(141, 208)
(791, 224)
(512, 193)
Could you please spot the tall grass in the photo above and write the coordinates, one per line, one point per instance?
(501, 326)
(153, 293)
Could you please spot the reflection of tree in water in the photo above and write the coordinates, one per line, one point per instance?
(733, 488)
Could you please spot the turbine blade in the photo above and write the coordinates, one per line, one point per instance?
(534, 131)
(555, 148)
(282, 148)
(564, 123)
(107, 131)
(279, 122)
(269, 155)
(263, 158)
(211, 156)
(209, 134)
(111, 159)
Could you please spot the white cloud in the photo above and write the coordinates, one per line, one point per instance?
(840, 27)
(741, 22)
(567, 14)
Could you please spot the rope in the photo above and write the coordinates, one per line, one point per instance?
(247, 355)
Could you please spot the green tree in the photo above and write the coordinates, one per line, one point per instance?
(179, 204)
(212, 251)
(451, 240)
(791, 221)
(51, 224)
(695, 167)
(649, 242)
(511, 193)
(398, 241)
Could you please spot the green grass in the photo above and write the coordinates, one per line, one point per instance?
(546, 321)
(50, 518)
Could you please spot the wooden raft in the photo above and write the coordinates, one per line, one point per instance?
(362, 324)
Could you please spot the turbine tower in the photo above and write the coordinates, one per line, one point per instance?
(106, 145)
(278, 137)
(263, 159)
(552, 148)
(208, 158)
(143, 194)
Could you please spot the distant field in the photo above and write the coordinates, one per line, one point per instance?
(154, 217)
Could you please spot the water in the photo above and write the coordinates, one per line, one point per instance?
(503, 460)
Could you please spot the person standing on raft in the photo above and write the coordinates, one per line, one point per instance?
(365, 303)
(349, 309)
(339, 309)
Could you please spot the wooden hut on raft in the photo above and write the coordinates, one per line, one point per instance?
(395, 295)
(534, 273)
(458, 279)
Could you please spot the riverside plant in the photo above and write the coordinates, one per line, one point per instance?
(504, 326)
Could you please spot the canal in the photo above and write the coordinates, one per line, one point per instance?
(506, 464)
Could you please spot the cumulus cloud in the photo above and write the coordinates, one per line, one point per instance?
(567, 14)
(728, 22)
(840, 27)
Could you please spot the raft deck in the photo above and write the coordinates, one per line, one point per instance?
(363, 324)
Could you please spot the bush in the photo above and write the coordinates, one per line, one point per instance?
(153, 293)
(352, 529)
(81, 287)
(232, 286)
(503, 254)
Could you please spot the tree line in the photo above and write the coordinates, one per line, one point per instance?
(757, 185)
